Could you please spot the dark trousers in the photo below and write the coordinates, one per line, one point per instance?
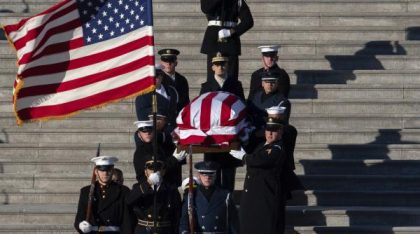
(233, 67)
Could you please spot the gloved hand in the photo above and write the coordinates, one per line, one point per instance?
(155, 178)
(180, 156)
(239, 154)
(85, 227)
(224, 33)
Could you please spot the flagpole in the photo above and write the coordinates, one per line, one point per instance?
(154, 109)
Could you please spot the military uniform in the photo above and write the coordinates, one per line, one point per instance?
(228, 12)
(256, 77)
(176, 80)
(215, 211)
(109, 212)
(283, 81)
(141, 199)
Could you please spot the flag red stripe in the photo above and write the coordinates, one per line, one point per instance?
(54, 48)
(226, 109)
(11, 28)
(94, 100)
(205, 114)
(83, 81)
(87, 60)
(34, 33)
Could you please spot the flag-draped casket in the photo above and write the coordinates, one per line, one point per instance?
(212, 118)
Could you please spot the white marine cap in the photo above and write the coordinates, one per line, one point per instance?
(275, 110)
(269, 48)
(104, 160)
(144, 124)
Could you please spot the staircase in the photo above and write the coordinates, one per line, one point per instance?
(355, 70)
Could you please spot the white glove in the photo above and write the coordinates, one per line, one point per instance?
(85, 227)
(239, 154)
(155, 178)
(180, 156)
(223, 33)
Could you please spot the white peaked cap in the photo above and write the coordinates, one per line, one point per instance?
(146, 123)
(275, 110)
(269, 48)
(104, 160)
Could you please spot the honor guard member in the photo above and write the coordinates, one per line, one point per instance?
(223, 31)
(173, 160)
(118, 176)
(215, 211)
(263, 192)
(289, 136)
(269, 59)
(169, 61)
(221, 81)
(141, 199)
(269, 96)
(167, 100)
(109, 213)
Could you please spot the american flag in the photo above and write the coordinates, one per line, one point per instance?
(211, 118)
(81, 54)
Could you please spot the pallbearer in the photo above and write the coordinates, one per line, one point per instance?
(109, 214)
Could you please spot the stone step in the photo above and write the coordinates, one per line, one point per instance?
(303, 167)
(124, 151)
(296, 216)
(92, 120)
(283, 19)
(126, 135)
(187, 6)
(353, 216)
(37, 229)
(250, 47)
(353, 229)
(297, 62)
(55, 182)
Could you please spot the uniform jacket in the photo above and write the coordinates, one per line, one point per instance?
(181, 86)
(283, 82)
(257, 107)
(144, 105)
(234, 87)
(210, 216)
(166, 149)
(141, 199)
(111, 211)
(232, 12)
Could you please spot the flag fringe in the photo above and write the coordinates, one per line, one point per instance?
(20, 122)
(7, 37)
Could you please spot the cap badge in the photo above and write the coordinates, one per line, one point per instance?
(168, 51)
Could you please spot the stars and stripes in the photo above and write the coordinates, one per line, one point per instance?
(81, 54)
(211, 118)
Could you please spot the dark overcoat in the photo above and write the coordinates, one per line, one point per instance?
(111, 211)
(215, 215)
(181, 86)
(232, 12)
(283, 82)
(263, 200)
(141, 199)
(256, 108)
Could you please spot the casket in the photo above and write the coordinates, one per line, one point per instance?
(212, 120)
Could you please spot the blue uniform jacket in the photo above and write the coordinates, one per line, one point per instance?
(210, 216)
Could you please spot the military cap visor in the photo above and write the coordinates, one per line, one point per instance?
(105, 167)
(270, 54)
(145, 129)
(274, 124)
(207, 167)
(168, 55)
(151, 165)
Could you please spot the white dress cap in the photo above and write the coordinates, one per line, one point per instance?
(104, 160)
(275, 110)
(269, 48)
(142, 124)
